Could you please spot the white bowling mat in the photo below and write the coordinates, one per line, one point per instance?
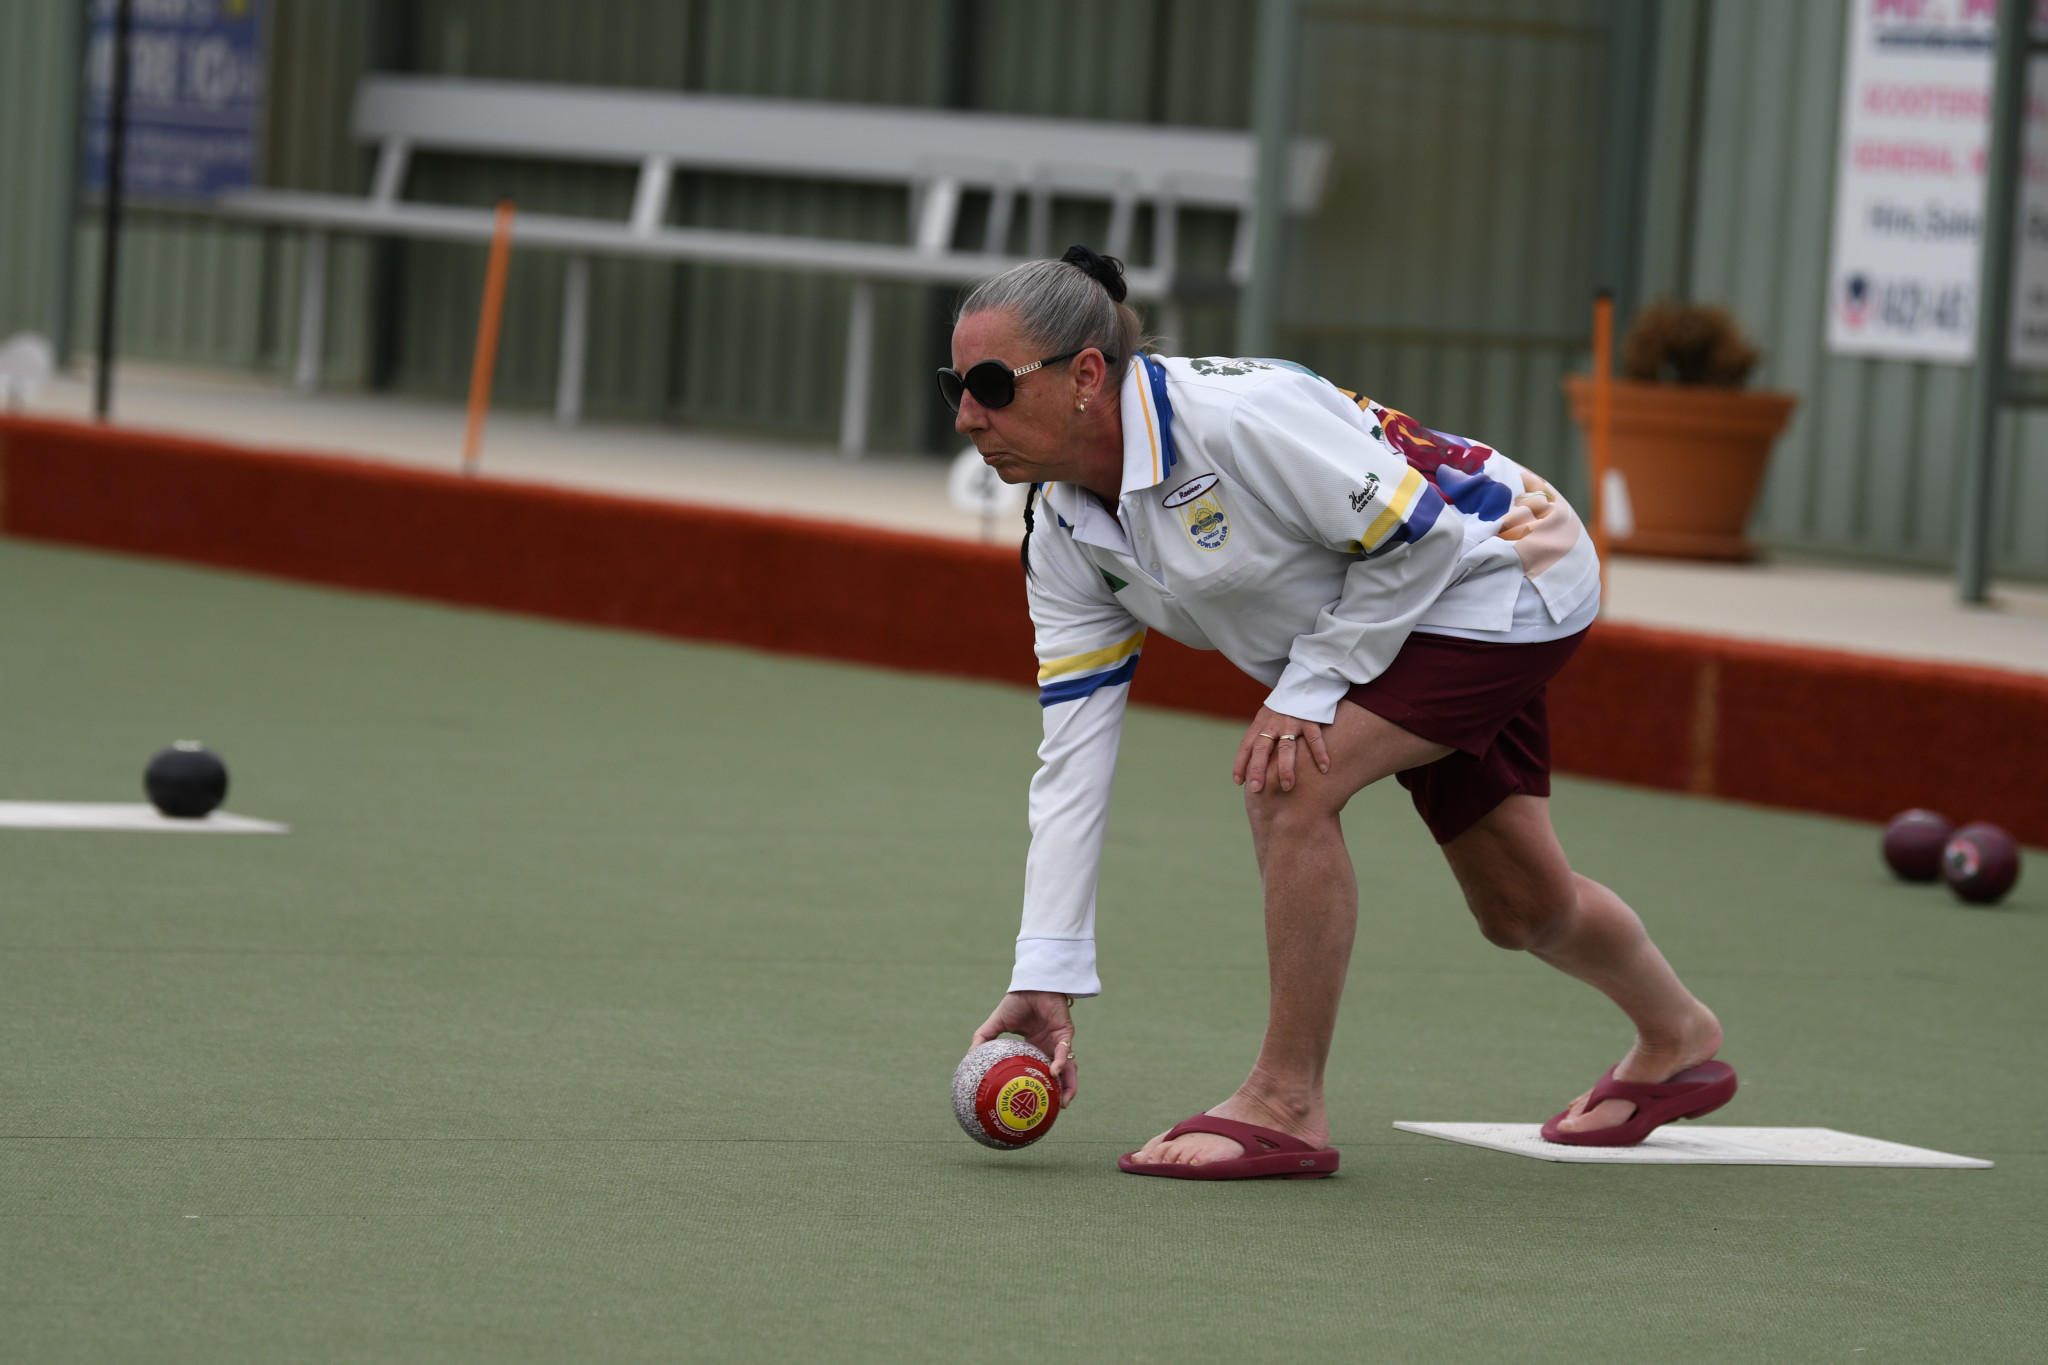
(1692, 1145)
(117, 815)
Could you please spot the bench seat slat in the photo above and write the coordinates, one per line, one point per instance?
(807, 139)
(717, 246)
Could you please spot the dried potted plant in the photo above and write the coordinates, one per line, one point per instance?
(1689, 442)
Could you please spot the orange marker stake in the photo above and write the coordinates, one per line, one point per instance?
(487, 336)
(1603, 425)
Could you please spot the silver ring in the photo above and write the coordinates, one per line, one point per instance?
(1287, 739)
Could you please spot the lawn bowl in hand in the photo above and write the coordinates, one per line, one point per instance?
(1980, 863)
(1913, 842)
(186, 781)
(1004, 1094)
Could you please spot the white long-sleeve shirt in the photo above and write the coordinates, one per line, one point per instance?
(1267, 514)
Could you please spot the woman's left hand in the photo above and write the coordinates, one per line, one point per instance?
(1269, 749)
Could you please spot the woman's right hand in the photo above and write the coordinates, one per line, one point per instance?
(1046, 1020)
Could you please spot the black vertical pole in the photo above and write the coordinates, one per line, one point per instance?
(110, 217)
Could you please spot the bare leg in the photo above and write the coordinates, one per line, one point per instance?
(1525, 896)
(1311, 897)
(1521, 889)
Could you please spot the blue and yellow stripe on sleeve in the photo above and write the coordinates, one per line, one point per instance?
(1080, 675)
(1410, 512)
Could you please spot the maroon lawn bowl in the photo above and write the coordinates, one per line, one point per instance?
(1980, 863)
(1913, 842)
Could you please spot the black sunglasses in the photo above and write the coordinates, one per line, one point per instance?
(994, 384)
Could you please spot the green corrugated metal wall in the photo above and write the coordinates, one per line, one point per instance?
(1447, 271)
(37, 41)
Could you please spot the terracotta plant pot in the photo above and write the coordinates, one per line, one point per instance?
(1694, 458)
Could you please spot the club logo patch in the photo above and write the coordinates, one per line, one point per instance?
(1201, 511)
(1207, 526)
(1364, 496)
(1023, 1103)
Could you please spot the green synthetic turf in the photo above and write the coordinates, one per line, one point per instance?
(603, 1002)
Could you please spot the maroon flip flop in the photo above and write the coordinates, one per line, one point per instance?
(1267, 1152)
(1692, 1093)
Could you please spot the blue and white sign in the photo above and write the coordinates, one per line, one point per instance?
(195, 97)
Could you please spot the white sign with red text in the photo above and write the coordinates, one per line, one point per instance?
(1909, 184)
(1909, 187)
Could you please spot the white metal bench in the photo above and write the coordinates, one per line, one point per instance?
(936, 155)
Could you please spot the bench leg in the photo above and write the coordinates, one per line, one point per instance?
(860, 357)
(312, 313)
(1173, 329)
(1002, 204)
(1166, 260)
(575, 337)
(1038, 232)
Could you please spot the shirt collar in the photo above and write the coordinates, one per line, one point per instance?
(1084, 517)
(1149, 454)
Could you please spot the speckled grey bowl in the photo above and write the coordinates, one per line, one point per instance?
(967, 1080)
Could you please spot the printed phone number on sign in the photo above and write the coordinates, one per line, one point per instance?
(1908, 306)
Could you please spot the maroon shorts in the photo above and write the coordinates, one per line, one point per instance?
(1483, 699)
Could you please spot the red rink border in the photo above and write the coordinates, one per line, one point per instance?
(1820, 730)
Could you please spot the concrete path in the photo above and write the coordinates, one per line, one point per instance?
(1789, 601)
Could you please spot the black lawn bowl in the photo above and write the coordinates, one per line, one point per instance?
(186, 781)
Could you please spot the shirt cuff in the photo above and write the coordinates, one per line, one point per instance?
(1307, 696)
(1063, 965)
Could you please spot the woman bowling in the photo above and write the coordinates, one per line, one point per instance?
(1405, 594)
